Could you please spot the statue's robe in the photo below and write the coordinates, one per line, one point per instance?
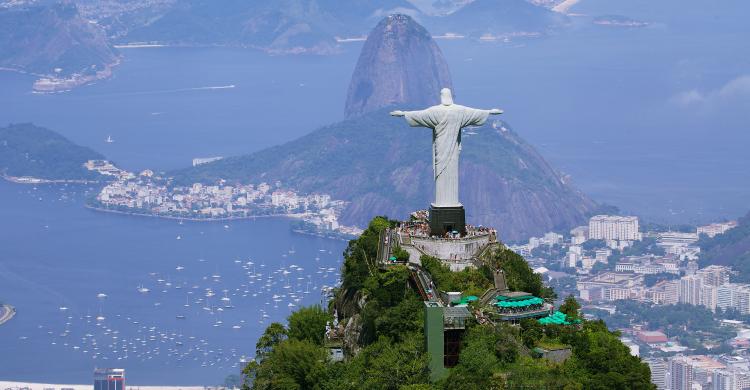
(446, 122)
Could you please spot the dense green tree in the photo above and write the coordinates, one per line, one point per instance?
(570, 307)
(591, 245)
(293, 364)
(606, 360)
(518, 274)
(477, 363)
(470, 281)
(401, 254)
(506, 348)
(309, 323)
(405, 320)
(531, 332)
(390, 365)
(273, 335)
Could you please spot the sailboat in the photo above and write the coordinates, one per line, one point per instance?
(109, 139)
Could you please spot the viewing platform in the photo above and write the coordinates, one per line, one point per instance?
(455, 250)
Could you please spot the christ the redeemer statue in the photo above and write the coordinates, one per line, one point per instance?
(446, 121)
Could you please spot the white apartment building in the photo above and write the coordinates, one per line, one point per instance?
(715, 229)
(610, 286)
(579, 235)
(681, 373)
(730, 379)
(690, 290)
(714, 275)
(612, 227)
(658, 373)
(734, 295)
(694, 291)
(675, 242)
(665, 292)
(690, 372)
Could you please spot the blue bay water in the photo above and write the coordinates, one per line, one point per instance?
(56, 253)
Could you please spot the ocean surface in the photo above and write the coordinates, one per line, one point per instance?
(74, 275)
(653, 120)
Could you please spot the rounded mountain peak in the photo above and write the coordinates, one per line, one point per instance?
(400, 63)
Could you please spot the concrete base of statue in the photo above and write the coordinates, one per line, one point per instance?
(447, 220)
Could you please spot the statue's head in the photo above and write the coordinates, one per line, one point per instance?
(446, 97)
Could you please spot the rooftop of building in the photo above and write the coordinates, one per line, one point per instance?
(611, 277)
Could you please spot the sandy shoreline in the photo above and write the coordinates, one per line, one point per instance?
(208, 219)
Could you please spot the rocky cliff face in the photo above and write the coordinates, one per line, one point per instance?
(400, 63)
(52, 39)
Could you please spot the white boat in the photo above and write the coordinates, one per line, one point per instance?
(109, 139)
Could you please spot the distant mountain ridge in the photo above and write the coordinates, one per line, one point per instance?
(33, 151)
(52, 39)
(483, 18)
(290, 26)
(301, 26)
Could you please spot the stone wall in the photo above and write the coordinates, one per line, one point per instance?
(451, 249)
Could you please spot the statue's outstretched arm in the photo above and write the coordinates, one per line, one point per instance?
(495, 111)
(398, 113)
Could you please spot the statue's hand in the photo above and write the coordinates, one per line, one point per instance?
(496, 111)
(397, 113)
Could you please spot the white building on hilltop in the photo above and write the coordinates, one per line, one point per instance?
(612, 227)
(715, 229)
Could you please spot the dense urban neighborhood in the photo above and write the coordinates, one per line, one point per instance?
(686, 319)
(147, 193)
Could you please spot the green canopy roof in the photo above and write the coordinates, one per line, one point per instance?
(557, 318)
(523, 303)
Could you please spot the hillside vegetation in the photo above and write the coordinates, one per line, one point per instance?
(731, 248)
(385, 337)
(28, 150)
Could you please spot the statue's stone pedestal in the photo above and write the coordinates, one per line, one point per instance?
(447, 219)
